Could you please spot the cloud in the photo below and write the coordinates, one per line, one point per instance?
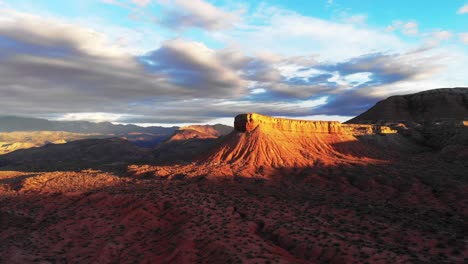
(409, 28)
(22, 28)
(437, 37)
(123, 3)
(194, 66)
(65, 68)
(141, 2)
(356, 19)
(297, 67)
(463, 10)
(389, 68)
(442, 35)
(463, 37)
(353, 86)
(181, 14)
(279, 31)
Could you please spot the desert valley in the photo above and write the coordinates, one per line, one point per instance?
(388, 186)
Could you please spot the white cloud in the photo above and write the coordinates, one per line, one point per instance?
(288, 33)
(124, 3)
(410, 28)
(258, 91)
(93, 117)
(55, 32)
(463, 9)
(437, 37)
(356, 19)
(442, 35)
(141, 2)
(463, 37)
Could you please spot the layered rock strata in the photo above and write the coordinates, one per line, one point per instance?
(248, 122)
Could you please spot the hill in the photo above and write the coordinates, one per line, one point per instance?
(200, 132)
(189, 142)
(11, 141)
(76, 155)
(426, 106)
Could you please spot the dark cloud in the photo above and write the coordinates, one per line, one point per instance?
(387, 68)
(349, 103)
(193, 66)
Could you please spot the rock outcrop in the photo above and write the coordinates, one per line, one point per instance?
(248, 122)
(200, 132)
(368, 130)
(422, 107)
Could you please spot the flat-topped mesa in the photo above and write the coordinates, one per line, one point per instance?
(248, 122)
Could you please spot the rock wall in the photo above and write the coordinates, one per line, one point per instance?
(364, 130)
(248, 122)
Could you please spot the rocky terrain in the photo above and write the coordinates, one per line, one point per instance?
(271, 191)
(426, 106)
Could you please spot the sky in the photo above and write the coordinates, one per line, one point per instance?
(173, 62)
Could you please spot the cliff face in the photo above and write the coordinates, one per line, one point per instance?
(427, 106)
(248, 122)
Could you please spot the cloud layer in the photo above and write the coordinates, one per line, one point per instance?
(287, 65)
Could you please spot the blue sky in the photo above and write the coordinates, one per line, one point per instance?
(199, 61)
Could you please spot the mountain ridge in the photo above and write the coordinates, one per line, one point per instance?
(421, 107)
(15, 123)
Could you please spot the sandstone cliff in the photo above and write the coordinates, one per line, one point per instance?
(248, 122)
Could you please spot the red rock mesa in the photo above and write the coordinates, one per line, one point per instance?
(277, 142)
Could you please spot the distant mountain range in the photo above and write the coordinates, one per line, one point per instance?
(13, 123)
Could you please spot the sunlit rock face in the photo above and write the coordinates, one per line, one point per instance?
(248, 122)
(366, 130)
